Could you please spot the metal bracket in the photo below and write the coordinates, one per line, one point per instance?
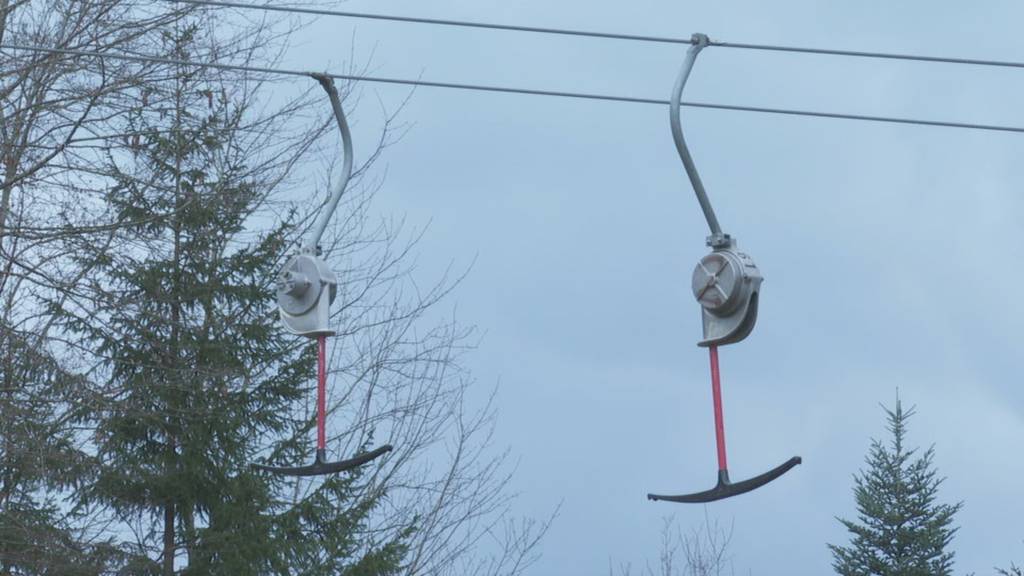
(346, 169)
(717, 239)
(726, 282)
(306, 286)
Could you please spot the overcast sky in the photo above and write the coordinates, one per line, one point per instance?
(892, 257)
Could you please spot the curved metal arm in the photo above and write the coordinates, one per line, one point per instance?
(346, 171)
(717, 238)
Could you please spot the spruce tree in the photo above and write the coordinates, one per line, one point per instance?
(901, 528)
(41, 460)
(200, 376)
(54, 108)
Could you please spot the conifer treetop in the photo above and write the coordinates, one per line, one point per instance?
(901, 528)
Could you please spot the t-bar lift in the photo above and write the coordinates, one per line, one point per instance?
(306, 288)
(726, 284)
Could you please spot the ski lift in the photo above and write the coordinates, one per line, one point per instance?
(306, 287)
(727, 284)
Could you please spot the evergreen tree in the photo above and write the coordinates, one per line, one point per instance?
(40, 459)
(198, 372)
(141, 366)
(901, 529)
(47, 103)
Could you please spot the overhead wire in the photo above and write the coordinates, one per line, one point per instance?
(601, 35)
(434, 21)
(513, 90)
(863, 54)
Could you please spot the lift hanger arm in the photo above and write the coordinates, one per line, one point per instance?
(306, 287)
(726, 284)
(717, 238)
(346, 171)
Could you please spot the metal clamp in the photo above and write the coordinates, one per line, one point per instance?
(306, 287)
(726, 282)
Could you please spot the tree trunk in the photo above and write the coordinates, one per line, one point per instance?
(168, 568)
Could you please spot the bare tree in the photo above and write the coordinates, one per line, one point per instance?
(57, 115)
(703, 550)
(71, 128)
(397, 376)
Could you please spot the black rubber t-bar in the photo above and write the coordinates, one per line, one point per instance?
(320, 466)
(725, 488)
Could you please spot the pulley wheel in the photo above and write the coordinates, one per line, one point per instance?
(299, 286)
(718, 282)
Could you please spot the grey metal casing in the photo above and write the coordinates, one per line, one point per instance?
(306, 287)
(727, 284)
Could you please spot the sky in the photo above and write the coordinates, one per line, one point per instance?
(891, 254)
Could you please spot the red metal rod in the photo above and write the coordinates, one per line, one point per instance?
(716, 392)
(321, 392)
